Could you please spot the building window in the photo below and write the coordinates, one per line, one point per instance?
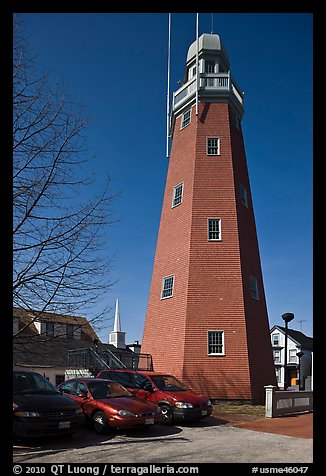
(293, 355)
(192, 72)
(276, 339)
(254, 288)
(49, 329)
(243, 194)
(186, 116)
(177, 195)
(209, 66)
(277, 356)
(214, 229)
(167, 287)
(70, 331)
(215, 342)
(213, 146)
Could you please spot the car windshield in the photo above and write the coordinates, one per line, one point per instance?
(107, 390)
(25, 383)
(168, 382)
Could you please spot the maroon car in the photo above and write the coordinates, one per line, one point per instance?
(108, 404)
(178, 403)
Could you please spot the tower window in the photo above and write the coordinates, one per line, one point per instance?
(215, 342)
(214, 229)
(254, 288)
(243, 194)
(177, 195)
(213, 146)
(209, 66)
(186, 116)
(167, 287)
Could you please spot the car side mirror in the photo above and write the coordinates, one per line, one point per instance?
(148, 387)
(82, 395)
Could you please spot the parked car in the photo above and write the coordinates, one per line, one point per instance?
(40, 410)
(108, 404)
(177, 402)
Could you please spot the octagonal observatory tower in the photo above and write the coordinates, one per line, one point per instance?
(206, 319)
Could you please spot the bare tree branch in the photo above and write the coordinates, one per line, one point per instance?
(59, 227)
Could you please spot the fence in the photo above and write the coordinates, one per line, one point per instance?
(279, 403)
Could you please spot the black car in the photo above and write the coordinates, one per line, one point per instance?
(40, 409)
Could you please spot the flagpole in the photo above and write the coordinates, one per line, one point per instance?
(197, 64)
(168, 91)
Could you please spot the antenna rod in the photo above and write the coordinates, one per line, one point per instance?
(197, 72)
(168, 92)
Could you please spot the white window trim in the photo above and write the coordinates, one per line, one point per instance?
(182, 116)
(277, 356)
(223, 346)
(293, 359)
(174, 191)
(274, 338)
(220, 229)
(162, 287)
(219, 146)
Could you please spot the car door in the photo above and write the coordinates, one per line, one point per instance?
(143, 387)
(76, 391)
(83, 397)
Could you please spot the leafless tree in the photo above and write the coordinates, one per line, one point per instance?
(60, 258)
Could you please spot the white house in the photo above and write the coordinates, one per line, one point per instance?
(297, 342)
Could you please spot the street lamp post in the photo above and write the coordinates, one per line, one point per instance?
(287, 317)
(299, 355)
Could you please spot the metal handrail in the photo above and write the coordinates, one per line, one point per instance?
(211, 81)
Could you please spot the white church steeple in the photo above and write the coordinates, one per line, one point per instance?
(117, 338)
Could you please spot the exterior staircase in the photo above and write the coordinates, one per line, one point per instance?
(87, 362)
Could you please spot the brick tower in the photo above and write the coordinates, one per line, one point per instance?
(206, 319)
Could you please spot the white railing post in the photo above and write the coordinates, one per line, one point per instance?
(269, 394)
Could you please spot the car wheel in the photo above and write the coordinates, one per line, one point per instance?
(167, 414)
(100, 423)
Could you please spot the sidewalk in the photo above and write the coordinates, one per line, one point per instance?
(300, 426)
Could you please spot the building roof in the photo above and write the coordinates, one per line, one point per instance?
(32, 349)
(28, 317)
(51, 351)
(206, 42)
(304, 341)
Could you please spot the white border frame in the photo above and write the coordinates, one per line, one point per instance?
(162, 287)
(223, 342)
(182, 116)
(173, 196)
(220, 229)
(219, 146)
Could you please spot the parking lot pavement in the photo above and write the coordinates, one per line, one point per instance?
(206, 441)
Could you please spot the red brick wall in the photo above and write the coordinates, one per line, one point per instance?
(165, 322)
(211, 289)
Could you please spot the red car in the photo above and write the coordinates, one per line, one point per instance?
(108, 404)
(178, 403)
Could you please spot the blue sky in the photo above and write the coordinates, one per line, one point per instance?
(117, 64)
